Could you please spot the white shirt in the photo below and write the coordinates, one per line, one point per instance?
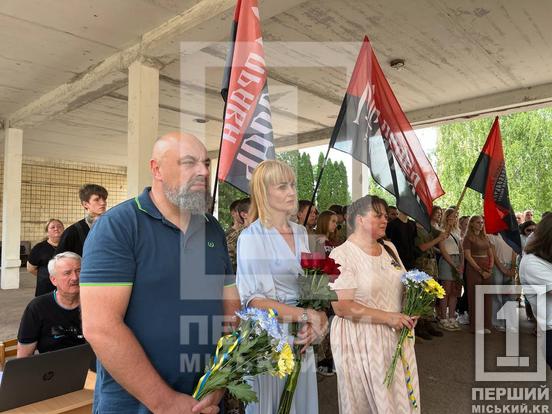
(503, 251)
(452, 243)
(536, 271)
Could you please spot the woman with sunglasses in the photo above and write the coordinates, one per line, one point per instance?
(525, 230)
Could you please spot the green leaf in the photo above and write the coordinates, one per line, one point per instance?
(243, 392)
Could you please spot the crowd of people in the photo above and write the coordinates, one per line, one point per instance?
(375, 244)
(52, 320)
(158, 271)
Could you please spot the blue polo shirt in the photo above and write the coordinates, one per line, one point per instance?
(175, 309)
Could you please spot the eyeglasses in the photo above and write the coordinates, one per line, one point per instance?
(531, 230)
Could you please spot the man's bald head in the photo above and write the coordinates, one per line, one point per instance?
(175, 141)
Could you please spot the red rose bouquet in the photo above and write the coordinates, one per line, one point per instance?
(314, 293)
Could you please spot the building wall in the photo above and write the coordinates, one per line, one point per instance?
(49, 189)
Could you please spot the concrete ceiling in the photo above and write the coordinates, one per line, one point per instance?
(63, 64)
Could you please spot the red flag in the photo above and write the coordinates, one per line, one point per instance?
(372, 127)
(488, 177)
(247, 131)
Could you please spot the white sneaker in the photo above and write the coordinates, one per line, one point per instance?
(483, 331)
(500, 328)
(445, 324)
(454, 325)
(464, 319)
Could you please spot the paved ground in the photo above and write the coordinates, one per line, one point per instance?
(13, 303)
(446, 365)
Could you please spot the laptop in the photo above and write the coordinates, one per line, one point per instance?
(43, 376)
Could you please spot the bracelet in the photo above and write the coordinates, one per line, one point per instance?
(305, 316)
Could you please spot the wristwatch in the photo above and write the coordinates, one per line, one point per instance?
(304, 317)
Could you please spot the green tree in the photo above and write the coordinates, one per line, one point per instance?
(375, 189)
(527, 143)
(342, 194)
(302, 166)
(334, 185)
(324, 195)
(291, 158)
(305, 178)
(226, 195)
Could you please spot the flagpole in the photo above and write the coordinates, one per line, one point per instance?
(461, 198)
(317, 185)
(215, 186)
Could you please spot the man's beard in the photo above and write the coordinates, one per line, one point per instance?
(196, 202)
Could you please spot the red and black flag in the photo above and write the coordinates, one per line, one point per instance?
(488, 177)
(247, 131)
(372, 127)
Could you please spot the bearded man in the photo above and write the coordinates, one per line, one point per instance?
(156, 281)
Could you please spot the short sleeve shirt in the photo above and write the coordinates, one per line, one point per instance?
(477, 246)
(40, 255)
(175, 309)
(502, 249)
(72, 239)
(534, 270)
(49, 325)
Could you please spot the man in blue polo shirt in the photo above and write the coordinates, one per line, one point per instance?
(156, 282)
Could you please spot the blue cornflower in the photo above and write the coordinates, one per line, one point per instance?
(263, 320)
(414, 276)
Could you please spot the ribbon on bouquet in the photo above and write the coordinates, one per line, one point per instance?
(217, 363)
(408, 378)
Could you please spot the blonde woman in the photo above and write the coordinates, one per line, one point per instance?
(479, 259)
(268, 257)
(451, 269)
(41, 254)
(368, 320)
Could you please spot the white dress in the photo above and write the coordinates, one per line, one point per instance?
(267, 268)
(362, 351)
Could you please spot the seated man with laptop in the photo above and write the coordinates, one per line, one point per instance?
(52, 321)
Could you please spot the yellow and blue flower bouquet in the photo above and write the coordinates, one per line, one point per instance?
(257, 347)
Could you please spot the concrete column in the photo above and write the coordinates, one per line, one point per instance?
(356, 172)
(11, 208)
(361, 180)
(143, 121)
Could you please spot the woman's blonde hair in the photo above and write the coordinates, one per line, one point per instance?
(446, 215)
(267, 173)
(52, 220)
(471, 234)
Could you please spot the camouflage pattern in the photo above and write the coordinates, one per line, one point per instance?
(232, 242)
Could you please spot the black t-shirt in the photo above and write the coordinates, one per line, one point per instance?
(72, 239)
(40, 255)
(50, 325)
(403, 236)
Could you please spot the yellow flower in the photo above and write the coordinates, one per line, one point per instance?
(435, 288)
(286, 362)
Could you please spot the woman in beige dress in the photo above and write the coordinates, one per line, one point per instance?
(368, 320)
